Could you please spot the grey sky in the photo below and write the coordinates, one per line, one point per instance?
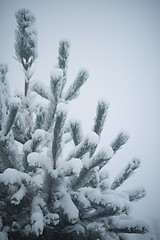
(118, 41)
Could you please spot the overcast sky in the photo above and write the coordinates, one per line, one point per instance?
(118, 41)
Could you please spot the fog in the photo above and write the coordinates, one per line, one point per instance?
(119, 43)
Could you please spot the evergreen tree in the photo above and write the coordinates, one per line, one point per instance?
(44, 193)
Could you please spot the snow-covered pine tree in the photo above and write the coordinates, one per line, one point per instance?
(44, 193)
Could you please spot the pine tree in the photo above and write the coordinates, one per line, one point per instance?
(44, 193)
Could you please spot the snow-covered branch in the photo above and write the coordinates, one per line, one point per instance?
(76, 132)
(119, 141)
(126, 173)
(100, 118)
(58, 132)
(73, 90)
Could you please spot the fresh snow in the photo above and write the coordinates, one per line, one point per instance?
(93, 138)
(29, 72)
(57, 73)
(103, 173)
(73, 166)
(76, 228)
(103, 154)
(132, 223)
(18, 196)
(83, 201)
(15, 101)
(69, 208)
(96, 227)
(103, 100)
(51, 218)
(127, 171)
(38, 201)
(138, 192)
(40, 88)
(62, 107)
(3, 235)
(38, 179)
(37, 222)
(37, 215)
(39, 160)
(104, 184)
(90, 140)
(39, 134)
(12, 176)
(113, 199)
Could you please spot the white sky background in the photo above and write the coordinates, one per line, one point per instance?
(118, 41)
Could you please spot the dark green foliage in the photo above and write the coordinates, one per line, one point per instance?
(62, 59)
(4, 93)
(76, 132)
(40, 118)
(57, 135)
(11, 117)
(63, 54)
(26, 42)
(100, 117)
(132, 229)
(126, 173)
(56, 85)
(39, 88)
(25, 36)
(5, 156)
(100, 159)
(136, 194)
(73, 90)
(85, 146)
(9, 154)
(120, 140)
